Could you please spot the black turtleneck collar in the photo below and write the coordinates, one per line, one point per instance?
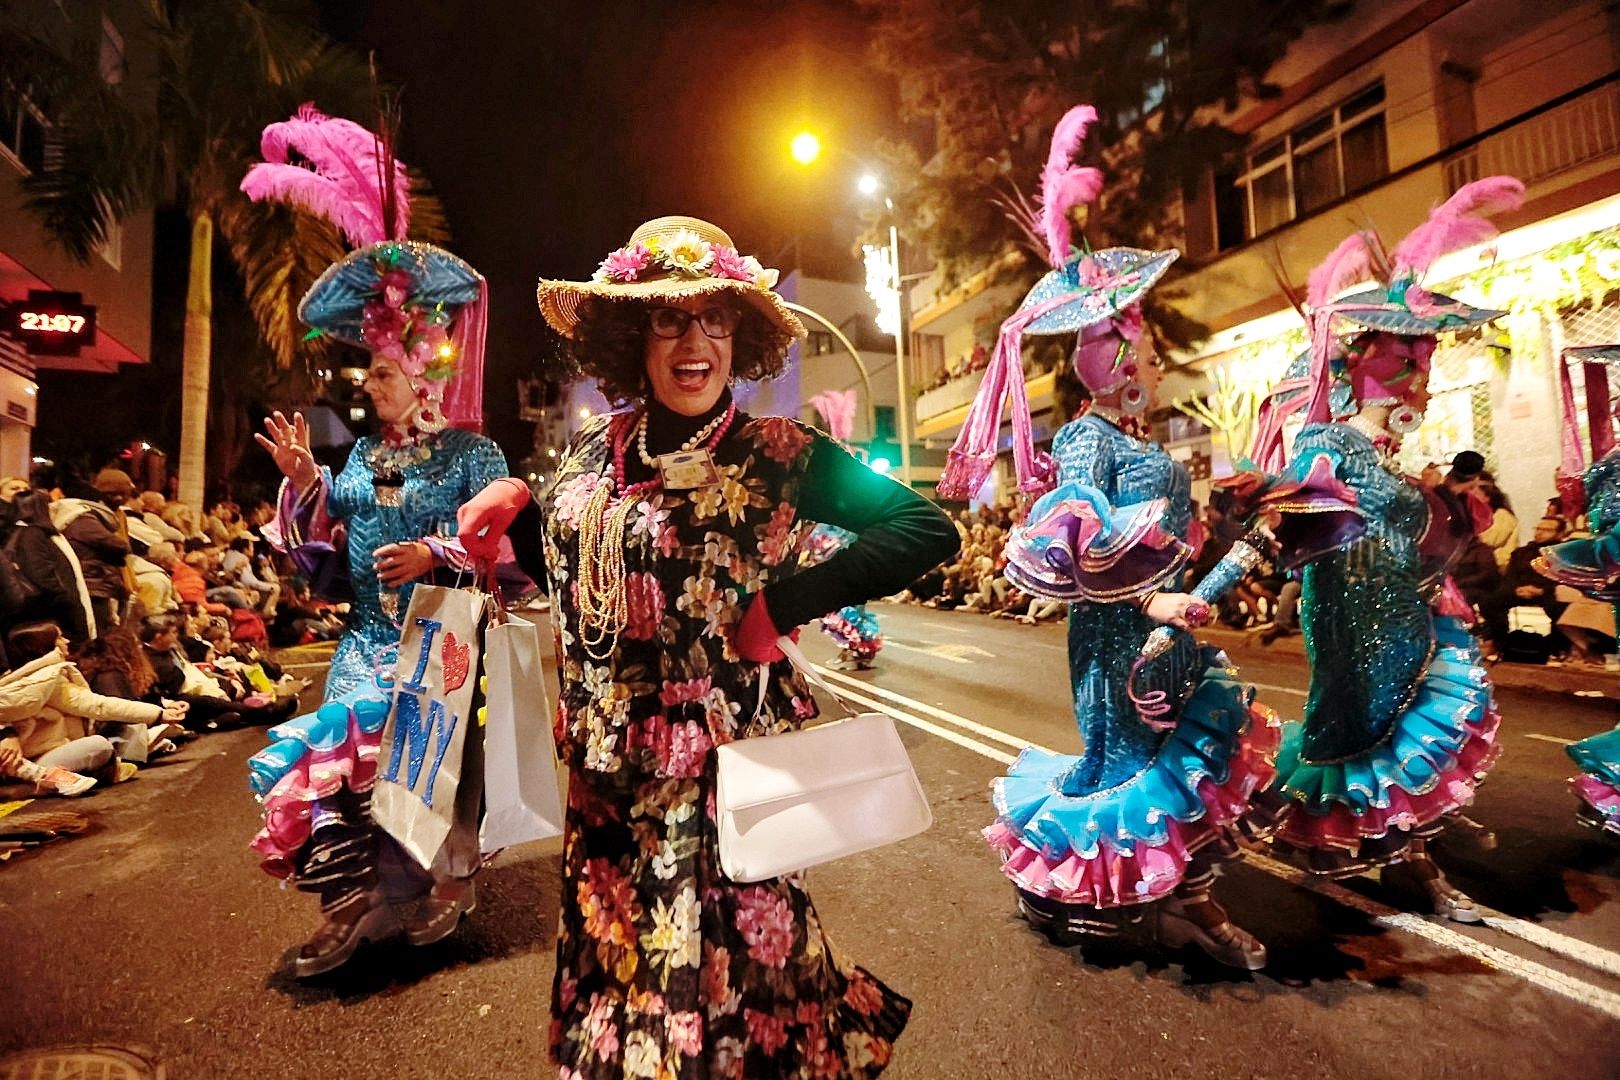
(667, 429)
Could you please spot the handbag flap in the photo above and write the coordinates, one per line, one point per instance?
(785, 768)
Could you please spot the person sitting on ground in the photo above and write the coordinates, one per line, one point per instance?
(1502, 535)
(96, 531)
(236, 568)
(47, 711)
(154, 588)
(46, 562)
(300, 619)
(115, 665)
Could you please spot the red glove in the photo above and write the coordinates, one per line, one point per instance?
(484, 518)
(756, 634)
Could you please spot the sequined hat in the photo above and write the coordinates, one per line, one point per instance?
(668, 258)
(1098, 285)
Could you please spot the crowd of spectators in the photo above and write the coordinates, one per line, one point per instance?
(130, 623)
(1520, 615)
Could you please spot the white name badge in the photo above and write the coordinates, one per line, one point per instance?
(687, 469)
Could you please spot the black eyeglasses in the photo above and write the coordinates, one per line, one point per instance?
(673, 322)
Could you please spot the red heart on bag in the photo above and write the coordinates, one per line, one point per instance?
(455, 656)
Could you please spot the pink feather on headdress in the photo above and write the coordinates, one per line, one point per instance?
(1065, 185)
(1349, 263)
(340, 182)
(1457, 222)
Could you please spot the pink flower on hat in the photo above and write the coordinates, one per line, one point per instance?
(1091, 272)
(730, 263)
(626, 264)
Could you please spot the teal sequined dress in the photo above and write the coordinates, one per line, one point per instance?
(1119, 823)
(1593, 566)
(1400, 725)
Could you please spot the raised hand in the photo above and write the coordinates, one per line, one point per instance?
(288, 444)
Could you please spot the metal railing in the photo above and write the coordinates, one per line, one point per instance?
(1571, 134)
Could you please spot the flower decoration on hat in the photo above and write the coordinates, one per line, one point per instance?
(686, 254)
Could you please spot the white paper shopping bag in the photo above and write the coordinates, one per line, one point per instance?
(521, 797)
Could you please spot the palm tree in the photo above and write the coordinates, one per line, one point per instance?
(225, 69)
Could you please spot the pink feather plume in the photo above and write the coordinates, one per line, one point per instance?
(1349, 263)
(837, 408)
(340, 180)
(1458, 222)
(1065, 185)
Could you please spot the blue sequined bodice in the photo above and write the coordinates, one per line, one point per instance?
(460, 465)
(1368, 630)
(1105, 639)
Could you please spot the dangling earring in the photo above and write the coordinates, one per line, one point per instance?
(1403, 420)
(1133, 399)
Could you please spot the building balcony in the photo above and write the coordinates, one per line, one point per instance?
(1567, 151)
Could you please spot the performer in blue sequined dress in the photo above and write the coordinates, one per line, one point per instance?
(370, 533)
(853, 628)
(1592, 565)
(1136, 824)
(1400, 725)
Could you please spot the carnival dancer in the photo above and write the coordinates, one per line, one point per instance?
(670, 536)
(1400, 725)
(1137, 824)
(853, 628)
(1592, 565)
(385, 522)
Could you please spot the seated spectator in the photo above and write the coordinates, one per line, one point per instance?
(1286, 621)
(224, 523)
(1502, 535)
(237, 568)
(300, 618)
(95, 529)
(46, 562)
(183, 519)
(1589, 626)
(47, 714)
(1522, 586)
(154, 588)
(218, 699)
(151, 506)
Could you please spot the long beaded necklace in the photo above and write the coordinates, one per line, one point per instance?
(603, 599)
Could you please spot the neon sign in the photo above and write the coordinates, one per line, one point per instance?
(53, 323)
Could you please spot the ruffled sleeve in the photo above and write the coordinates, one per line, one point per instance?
(1076, 545)
(1591, 565)
(309, 533)
(1309, 509)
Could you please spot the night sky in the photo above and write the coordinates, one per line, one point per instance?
(551, 130)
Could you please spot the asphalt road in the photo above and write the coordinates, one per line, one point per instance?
(157, 930)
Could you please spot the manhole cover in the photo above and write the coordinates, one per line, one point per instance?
(78, 1063)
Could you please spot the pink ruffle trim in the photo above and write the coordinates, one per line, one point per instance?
(1604, 798)
(292, 808)
(1339, 828)
(1117, 878)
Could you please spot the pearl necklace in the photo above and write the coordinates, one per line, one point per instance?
(1376, 433)
(724, 419)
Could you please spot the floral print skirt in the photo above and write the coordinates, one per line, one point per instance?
(668, 969)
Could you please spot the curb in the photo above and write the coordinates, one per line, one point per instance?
(1588, 682)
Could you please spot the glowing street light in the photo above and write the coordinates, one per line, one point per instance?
(868, 185)
(806, 147)
(880, 465)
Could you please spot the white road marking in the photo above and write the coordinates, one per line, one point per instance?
(1549, 979)
(847, 684)
(1549, 738)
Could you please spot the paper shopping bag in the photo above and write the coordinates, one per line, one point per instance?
(431, 777)
(521, 797)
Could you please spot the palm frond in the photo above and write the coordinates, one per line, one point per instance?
(279, 253)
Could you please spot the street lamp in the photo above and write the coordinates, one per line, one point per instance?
(806, 149)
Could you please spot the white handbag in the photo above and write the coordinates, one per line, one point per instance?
(791, 801)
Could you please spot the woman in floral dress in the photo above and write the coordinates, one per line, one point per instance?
(672, 580)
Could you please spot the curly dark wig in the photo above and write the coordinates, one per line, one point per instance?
(608, 345)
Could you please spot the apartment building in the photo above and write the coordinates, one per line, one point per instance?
(117, 280)
(1382, 115)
